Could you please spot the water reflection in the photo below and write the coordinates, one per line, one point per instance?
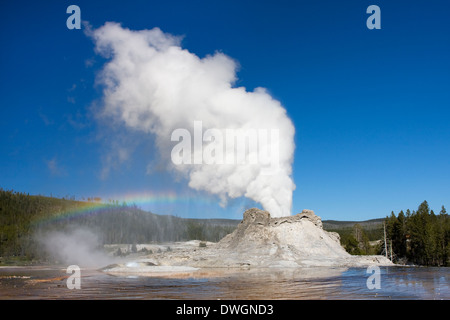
(303, 283)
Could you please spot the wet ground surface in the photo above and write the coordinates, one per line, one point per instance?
(303, 283)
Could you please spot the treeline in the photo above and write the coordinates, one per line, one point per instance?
(24, 217)
(17, 213)
(360, 239)
(421, 237)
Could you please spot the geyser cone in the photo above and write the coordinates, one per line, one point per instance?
(291, 239)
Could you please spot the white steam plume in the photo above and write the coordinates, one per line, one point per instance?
(78, 246)
(153, 85)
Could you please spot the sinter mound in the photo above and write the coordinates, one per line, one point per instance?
(292, 241)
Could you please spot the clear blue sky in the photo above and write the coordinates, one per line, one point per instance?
(371, 107)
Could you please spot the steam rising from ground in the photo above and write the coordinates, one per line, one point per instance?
(80, 247)
(154, 86)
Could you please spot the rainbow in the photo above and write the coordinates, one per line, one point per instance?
(169, 197)
(140, 199)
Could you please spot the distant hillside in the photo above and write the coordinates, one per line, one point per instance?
(369, 224)
(328, 225)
